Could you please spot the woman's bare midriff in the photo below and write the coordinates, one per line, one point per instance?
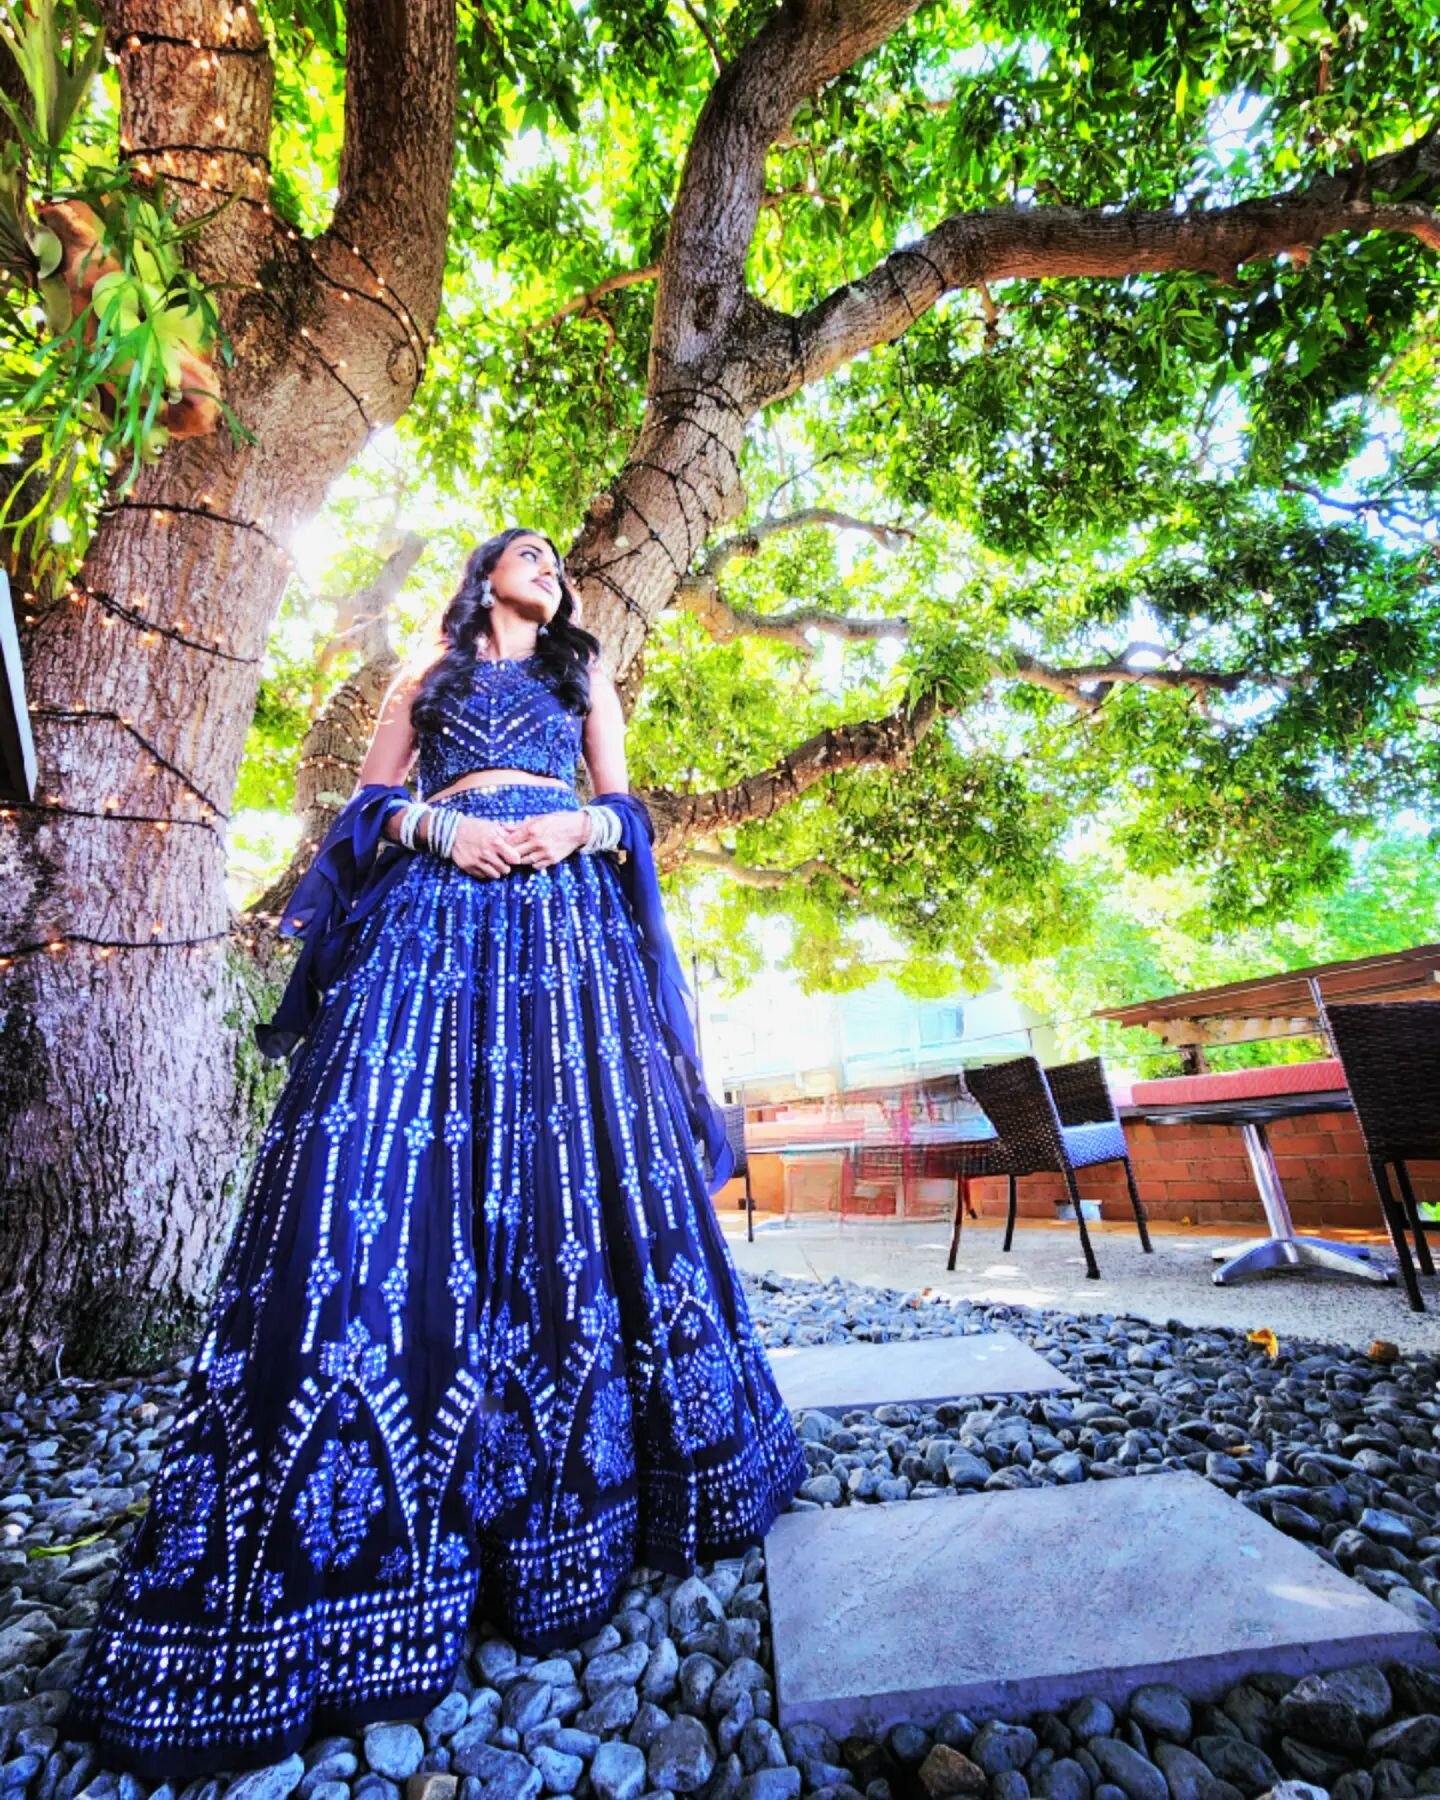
(496, 778)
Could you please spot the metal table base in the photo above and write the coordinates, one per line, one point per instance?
(1285, 1248)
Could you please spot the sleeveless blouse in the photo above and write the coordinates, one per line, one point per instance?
(511, 719)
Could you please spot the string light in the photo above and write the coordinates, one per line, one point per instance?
(161, 762)
(152, 633)
(105, 947)
(383, 292)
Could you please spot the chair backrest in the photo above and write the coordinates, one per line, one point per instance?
(1017, 1102)
(734, 1117)
(1391, 1057)
(1081, 1092)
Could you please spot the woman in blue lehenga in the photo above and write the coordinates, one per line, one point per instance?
(478, 1347)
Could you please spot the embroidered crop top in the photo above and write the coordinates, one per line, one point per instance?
(511, 719)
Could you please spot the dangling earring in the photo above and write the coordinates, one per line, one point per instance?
(542, 631)
(487, 595)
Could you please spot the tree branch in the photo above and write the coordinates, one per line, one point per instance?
(1070, 682)
(888, 742)
(334, 745)
(588, 301)
(750, 876)
(747, 543)
(699, 21)
(398, 156)
(699, 593)
(800, 191)
(782, 353)
(804, 44)
(1389, 504)
(362, 616)
(724, 621)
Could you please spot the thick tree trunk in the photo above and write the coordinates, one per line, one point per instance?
(125, 1069)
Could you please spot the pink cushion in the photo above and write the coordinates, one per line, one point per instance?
(1322, 1077)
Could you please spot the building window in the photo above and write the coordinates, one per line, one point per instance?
(942, 1024)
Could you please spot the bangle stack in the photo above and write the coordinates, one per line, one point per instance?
(440, 837)
(604, 828)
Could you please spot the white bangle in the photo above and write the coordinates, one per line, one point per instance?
(444, 823)
(439, 840)
(409, 819)
(605, 828)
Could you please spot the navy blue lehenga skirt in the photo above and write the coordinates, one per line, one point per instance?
(477, 1349)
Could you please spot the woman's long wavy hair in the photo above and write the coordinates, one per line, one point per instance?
(563, 651)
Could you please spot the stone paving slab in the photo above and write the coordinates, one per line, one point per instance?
(1012, 1602)
(836, 1377)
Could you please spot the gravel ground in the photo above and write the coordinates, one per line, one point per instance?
(1045, 1269)
(675, 1695)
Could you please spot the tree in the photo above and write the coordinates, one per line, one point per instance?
(1003, 287)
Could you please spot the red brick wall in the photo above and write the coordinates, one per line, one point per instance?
(1186, 1173)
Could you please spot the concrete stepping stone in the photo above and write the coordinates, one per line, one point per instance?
(1022, 1600)
(836, 1377)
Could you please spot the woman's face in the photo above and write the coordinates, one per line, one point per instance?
(527, 577)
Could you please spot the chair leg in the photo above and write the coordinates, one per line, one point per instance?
(1010, 1217)
(962, 1184)
(1138, 1206)
(1092, 1268)
(1417, 1224)
(1395, 1221)
(749, 1210)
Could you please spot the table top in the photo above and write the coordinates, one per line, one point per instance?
(931, 1140)
(1258, 1111)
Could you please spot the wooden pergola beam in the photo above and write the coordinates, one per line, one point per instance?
(1180, 1033)
(1248, 1028)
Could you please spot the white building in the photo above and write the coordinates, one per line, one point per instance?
(773, 1041)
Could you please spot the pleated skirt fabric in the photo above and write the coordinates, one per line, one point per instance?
(478, 1346)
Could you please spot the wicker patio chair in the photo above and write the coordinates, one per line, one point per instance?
(1391, 1057)
(1082, 1097)
(1081, 1092)
(1018, 1101)
(974, 1158)
(734, 1117)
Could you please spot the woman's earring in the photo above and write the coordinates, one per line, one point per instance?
(542, 631)
(487, 593)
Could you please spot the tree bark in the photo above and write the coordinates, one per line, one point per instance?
(682, 479)
(120, 1004)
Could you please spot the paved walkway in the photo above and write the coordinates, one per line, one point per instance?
(1045, 1268)
(1058, 1596)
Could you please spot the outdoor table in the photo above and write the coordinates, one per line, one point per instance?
(940, 1135)
(1284, 1247)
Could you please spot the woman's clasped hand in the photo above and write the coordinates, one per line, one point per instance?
(492, 847)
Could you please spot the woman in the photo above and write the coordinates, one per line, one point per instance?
(478, 1346)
